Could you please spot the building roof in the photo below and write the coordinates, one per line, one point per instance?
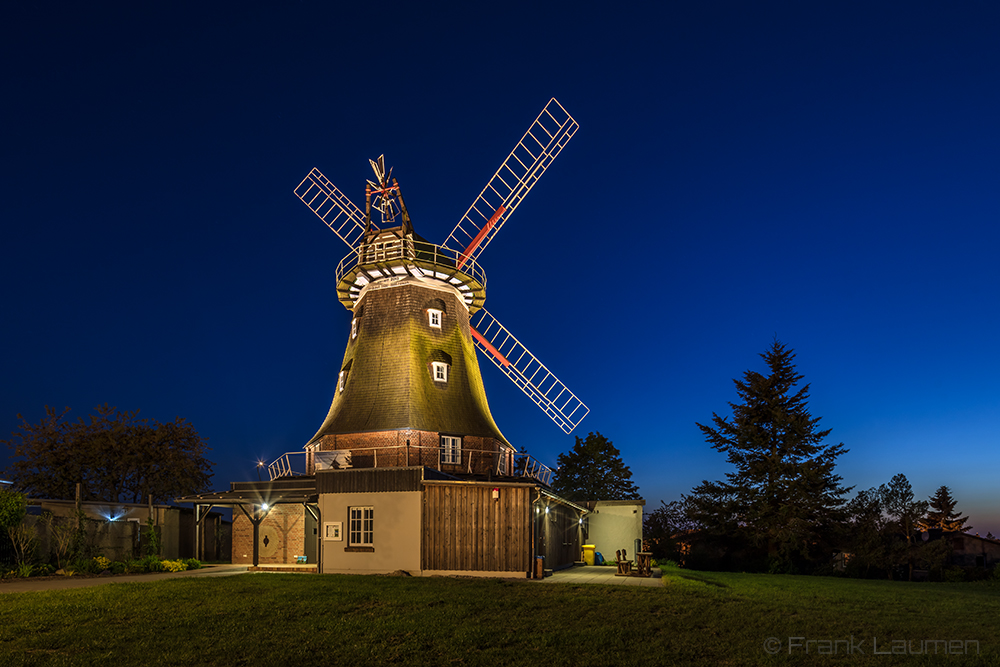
(274, 492)
(388, 383)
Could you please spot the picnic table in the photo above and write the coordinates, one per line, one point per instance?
(644, 564)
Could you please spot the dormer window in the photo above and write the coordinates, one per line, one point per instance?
(344, 372)
(439, 371)
(434, 317)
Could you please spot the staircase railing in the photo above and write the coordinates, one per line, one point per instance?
(282, 466)
(528, 466)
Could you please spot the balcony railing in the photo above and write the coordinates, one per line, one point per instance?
(471, 461)
(405, 257)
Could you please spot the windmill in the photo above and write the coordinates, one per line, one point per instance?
(410, 391)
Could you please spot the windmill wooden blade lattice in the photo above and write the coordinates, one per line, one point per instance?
(332, 206)
(527, 372)
(532, 155)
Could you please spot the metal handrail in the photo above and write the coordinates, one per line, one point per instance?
(536, 470)
(282, 466)
(524, 466)
(413, 254)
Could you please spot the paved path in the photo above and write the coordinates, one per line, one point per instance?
(594, 574)
(34, 584)
(582, 574)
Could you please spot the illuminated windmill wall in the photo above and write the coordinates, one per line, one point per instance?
(409, 390)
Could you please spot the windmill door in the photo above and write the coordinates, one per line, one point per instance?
(559, 536)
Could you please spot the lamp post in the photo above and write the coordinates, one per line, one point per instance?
(260, 464)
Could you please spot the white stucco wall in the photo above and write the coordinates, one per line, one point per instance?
(397, 527)
(613, 525)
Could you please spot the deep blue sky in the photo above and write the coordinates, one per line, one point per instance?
(826, 173)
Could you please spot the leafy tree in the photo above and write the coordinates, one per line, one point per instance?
(882, 527)
(942, 515)
(904, 512)
(593, 470)
(115, 455)
(866, 538)
(662, 526)
(784, 494)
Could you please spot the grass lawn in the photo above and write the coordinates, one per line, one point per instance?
(696, 618)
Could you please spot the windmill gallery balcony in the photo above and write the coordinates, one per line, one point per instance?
(391, 255)
(470, 462)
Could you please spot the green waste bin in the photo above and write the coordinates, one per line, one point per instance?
(588, 553)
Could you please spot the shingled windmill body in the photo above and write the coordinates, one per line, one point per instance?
(409, 391)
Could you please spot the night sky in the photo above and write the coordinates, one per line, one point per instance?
(821, 172)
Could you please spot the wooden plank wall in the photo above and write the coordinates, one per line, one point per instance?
(368, 480)
(466, 529)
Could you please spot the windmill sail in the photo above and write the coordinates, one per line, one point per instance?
(527, 372)
(532, 155)
(332, 206)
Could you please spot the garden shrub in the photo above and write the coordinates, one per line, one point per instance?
(151, 539)
(193, 563)
(101, 563)
(134, 566)
(13, 507)
(174, 565)
(84, 566)
(151, 563)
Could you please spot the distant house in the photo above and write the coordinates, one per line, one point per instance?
(970, 550)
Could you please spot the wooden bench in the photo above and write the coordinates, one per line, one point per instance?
(624, 565)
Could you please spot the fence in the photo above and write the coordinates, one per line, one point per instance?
(115, 540)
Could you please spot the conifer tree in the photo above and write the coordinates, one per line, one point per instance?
(784, 493)
(942, 513)
(593, 470)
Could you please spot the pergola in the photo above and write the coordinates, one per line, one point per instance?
(256, 500)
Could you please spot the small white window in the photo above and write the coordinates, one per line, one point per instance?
(451, 449)
(332, 531)
(354, 328)
(434, 317)
(439, 369)
(342, 381)
(362, 527)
